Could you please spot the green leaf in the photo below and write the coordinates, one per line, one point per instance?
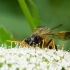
(5, 35)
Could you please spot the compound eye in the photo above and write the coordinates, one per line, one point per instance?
(28, 40)
(50, 47)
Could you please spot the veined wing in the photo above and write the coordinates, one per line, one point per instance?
(63, 35)
(43, 31)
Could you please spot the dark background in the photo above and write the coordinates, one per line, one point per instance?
(51, 13)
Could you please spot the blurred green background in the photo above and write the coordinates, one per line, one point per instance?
(51, 13)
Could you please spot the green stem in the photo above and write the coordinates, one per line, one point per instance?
(27, 13)
(35, 13)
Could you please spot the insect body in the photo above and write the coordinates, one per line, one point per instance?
(38, 37)
(36, 40)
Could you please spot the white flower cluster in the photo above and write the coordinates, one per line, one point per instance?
(34, 59)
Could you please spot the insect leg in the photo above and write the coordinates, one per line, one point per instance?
(48, 42)
(23, 44)
(52, 43)
(43, 43)
(56, 47)
(36, 46)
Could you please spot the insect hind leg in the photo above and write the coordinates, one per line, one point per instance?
(51, 44)
(56, 47)
(48, 42)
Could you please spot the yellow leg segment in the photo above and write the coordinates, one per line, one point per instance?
(36, 46)
(53, 44)
(42, 44)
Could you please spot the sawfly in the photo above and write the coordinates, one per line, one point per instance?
(39, 37)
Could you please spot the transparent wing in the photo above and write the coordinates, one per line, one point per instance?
(63, 35)
(43, 31)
